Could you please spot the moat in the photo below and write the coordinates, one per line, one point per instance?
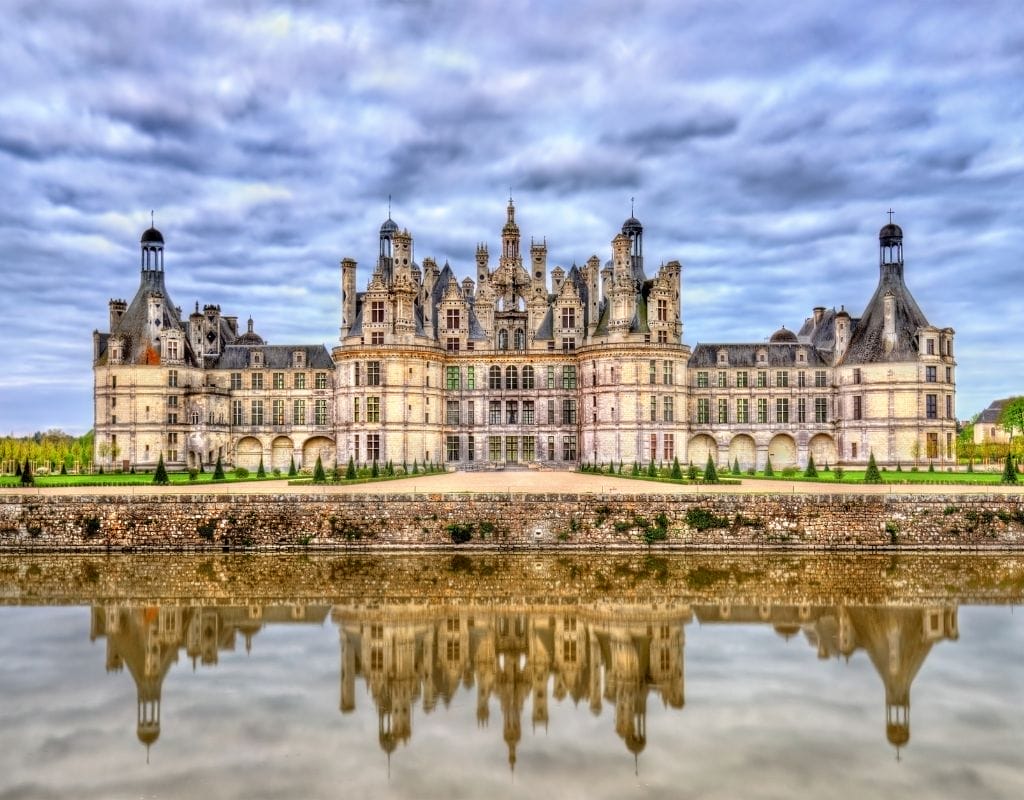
(510, 675)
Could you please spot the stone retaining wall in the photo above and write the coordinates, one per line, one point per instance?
(509, 521)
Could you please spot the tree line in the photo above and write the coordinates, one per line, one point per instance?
(47, 449)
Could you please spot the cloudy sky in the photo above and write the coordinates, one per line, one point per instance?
(763, 142)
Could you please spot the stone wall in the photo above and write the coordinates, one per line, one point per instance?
(508, 521)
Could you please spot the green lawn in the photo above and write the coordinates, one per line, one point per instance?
(890, 476)
(126, 479)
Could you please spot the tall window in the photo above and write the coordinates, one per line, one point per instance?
(782, 409)
(300, 380)
(742, 410)
(551, 413)
(949, 406)
(931, 404)
(494, 448)
(452, 378)
(494, 377)
(668, 373)
(801, 409)
(376, 338)
(569, 376)
(529, 448)
(741, 379)
(930, 374)
(528, 412)
(257, 380)
(299, 412)
(820, 378)
(568, 317)
(569, 447)
(856, 375)
(172, 379)
(494, 412)
(703, 411)
(662, 310)
(654, 408)
(568, 344)
(512, 411)
(236, 412)
(519, 339)
(321, 380)
(527, 377)
(279, 378)
(569, 411)
(453, 344)
(721, 379)
(373, 447)
(279, 412)
(820, 409)
(512, 448)
(452, 449)
(669, 409)
(857, 407)
(511, 378)
(321, 411)
(723, 411)
(702, 379)
(372, 409)
(551, 377)
(373, 373)
(470, 377)
(762, 378)
(670, 446)
(256, 412)
(377, 311)
(762, 409)
(801, 379)
(470, 448)
(452, 319)
(470, 413)
(236, 380)
(355, 409)
(782, 379)
(503, 340)
(652, 372)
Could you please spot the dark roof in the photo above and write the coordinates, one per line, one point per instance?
(133, 328)
(152, 235)
(890, 232)
(277, 356)
(632, 226)
(388, 227)
(994, 411)
(745, 355)
(867, 343)
(783, 335)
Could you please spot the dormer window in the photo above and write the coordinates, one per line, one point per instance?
(377, 311)
(256, 358)
(298, 359)
(452, 319)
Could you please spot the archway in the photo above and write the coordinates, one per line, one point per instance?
(700, 447)
(281, 453)
(318, 446)
(248, 452)
(823, 448)
(743, 449)
(782, 450)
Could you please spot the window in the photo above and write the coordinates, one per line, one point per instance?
(662, 310)
(741, 380)
(452, 378)
(782, 409)
(511, 378)
(452, 319)
(801, 409)
(551, 414)
(762, 379)
(743, 410)
(372, 373)
(721, 383)
(355, 409)
(569, 447)
(236, 412)
(668, 373)
(820, 409)
(762, 409)
(321, 380)
(930, 347)
(931, 405)
(172, 379)
(853, 449)
(819, 378)
(278, 409)
(527, 412)
(113, 379)
(256, 412)
(568, 345)
(470, 448)
(782, 379)
(949, 374)
(470, 413)
(551, 377)
(300, 380)
(452, 448)
(372, 409)
(703, 411)
(669, 409)
(858, 410)
(801, 379)
(568, 318)
(670, 446)
(299, 412)
(321, 411)
(519, 340)
(257, 380)
(930, 374)
(373, 447)
(172, 418)
(494, 447)
(470, 377)
(856, 375)
(377, 311)
(569, 377)
(511, 448)
(723, 411)
(494, 377)
(702, 379)
(932, 445)
(376, 337)
(569, 412)
(662, 337)
(529, 448)
(654, 446)
(172, 400)
(279, 378)
(452, 345)
(527, 377)
(503, 340)
(172, 349)
(512, 411)
(494, 412)
(654, 408)
(236, 380)
(949, 406)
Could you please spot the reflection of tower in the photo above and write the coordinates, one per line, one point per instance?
(625, 686)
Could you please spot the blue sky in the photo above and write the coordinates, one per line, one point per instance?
(763, 143)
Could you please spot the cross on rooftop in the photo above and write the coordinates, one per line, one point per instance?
(891, 212)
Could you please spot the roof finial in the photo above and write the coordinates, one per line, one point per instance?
(510, 194)
(151, 223)
(631, 206)
(389, 206)
(891, 212)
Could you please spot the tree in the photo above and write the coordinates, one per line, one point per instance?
(1012, 416)
(26, 474)
(374, 471)
(677, 473)
(160, 476)
(872, 475)
(652, 471)
(350, 470)
(260, 471)
(63, 468)
(292, 472)
(17, 469)
(1009, 470)
(810, 472)
(736, 465)
(768, 471)
(710, 473)
(318, 471)
(218, 471)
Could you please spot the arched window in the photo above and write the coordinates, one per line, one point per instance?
(511, 378)
(527, 377)
(520, 339)
(503, 340)
(494, 378)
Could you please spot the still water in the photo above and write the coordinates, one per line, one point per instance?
(597, 676)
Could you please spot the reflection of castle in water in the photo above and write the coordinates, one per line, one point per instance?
(615, 654)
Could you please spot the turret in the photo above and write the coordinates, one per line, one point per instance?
(117, 309)
(593, 277)
(510, 236)
(482, 268)
(842, 323)
(539, 260)
(634, 232)
(348, 295)
(401, 252)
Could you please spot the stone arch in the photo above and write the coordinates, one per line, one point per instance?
(823, 448)
(248, 452)
(699, 448)
(743, 449)
(782, 450)
(281, 451)
(318, 446)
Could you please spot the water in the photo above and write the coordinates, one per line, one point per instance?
(511, 676)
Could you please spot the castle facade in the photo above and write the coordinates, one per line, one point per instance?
(523, 365)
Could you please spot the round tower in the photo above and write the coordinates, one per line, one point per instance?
(152, 249)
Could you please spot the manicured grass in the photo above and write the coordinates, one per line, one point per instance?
(890, 476)
(127, 479)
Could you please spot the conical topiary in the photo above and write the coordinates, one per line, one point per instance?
(27, 479)
(374, 471)
(292, 472)
(652, 471)
(872, 475)
(677, 472)
(350, 470)
(160, 476)
(218, 470)
(261, 472)
(1009, 470)
(810, 472)
(768, 471)
(318, 471)
(415, 467)
(17, 469)
(710, 473)
(736, 466)
(63, 468)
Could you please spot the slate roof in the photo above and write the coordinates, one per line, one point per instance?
(745, 355)
(992, 414)
(866, 341)
(276, 356)
(132, 327)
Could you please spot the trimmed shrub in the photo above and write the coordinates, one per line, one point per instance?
(261, 472)
(160, 476)
(810, 472)
(241, 472)
(1009, 470)
(736, 466)
(292, 472)
(710, 473)
(872, 475)
(374, 472)
(768, 471)
(218, 471)
(677, 472)
(27, 478)
(318, 472)
(350, 470)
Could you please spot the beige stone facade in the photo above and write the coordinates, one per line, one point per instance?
(522, 365)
